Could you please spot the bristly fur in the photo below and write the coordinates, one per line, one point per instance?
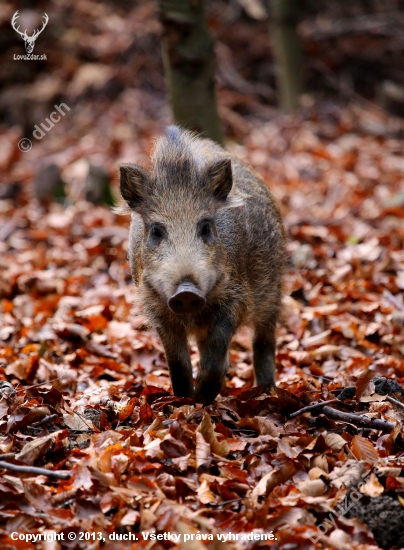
(239, 272)
(122, 208)
(185, 154)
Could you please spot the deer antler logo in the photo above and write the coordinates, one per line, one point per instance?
(29, 40)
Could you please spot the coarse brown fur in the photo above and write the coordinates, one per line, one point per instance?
(238, 267)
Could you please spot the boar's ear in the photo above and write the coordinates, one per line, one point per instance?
(220, 178)
(133, 180)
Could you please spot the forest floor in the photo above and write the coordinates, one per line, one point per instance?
(85, 386)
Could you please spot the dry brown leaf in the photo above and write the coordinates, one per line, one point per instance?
(267, 426)
(316, 473)
(316, 339)
(292, 516)
(38, 494)
(363, 449)
(389, 471)
(37, 447)
(350, 473)
(25, 416)
(78, 422)
(312, 487)
(285, 447)
(204, 493)
(340, 540)
(191, 543)
(321, 462)
(202, 449)
(4, 406)
(130, 518)
(236, 445)
(334, 441)
(372, 487)
(260, 489)
(207, 430)
(363, 381)
(181, 462)
(147, 519)
(272, 480)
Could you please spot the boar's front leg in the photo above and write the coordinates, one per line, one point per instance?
(264, 354)
(214, 359)
(179, 363)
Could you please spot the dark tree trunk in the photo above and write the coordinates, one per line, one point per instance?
(189, 66)
(287, 52)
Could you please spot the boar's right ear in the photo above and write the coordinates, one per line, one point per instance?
(220, 178)
(133, 181)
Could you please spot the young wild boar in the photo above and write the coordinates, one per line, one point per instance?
(206, 249)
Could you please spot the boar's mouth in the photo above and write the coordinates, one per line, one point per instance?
(187, 300)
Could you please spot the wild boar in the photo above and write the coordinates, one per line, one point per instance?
(206, 250)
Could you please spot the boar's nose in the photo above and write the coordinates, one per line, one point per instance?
(186, 300)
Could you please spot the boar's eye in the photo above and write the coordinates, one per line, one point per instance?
(156, 234)
(205, 231)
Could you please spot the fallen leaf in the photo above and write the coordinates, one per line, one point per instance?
(372, 487)
(202, 450)
(204, 493)
(364, 449)
(37, 447)
(78, 422)
(206, 429)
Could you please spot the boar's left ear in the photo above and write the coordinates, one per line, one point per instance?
(133, 181)
(220, 178)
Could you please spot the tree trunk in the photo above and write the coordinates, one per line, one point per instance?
(189, 66)
(287, 52)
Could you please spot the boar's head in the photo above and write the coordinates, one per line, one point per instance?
(182, 254)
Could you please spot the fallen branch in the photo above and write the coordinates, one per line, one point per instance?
(219, 504)
(312, 407)
(6, 456)
(395, 401)
(362, 421)
(34, 470)
(44, 420)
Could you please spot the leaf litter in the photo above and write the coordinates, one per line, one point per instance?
(85, 388)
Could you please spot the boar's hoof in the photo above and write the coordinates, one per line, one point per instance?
(186, 300)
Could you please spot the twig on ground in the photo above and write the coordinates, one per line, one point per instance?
(6, 456)
(362, 421)
(395, 401)
(196, 413)
(34, 470)
(44, 420)
(219, 504)
(313, 406)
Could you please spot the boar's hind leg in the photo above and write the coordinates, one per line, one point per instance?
(179, 362)
(214, 360)
(264, 355)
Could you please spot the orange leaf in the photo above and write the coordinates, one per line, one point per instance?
(363, 449)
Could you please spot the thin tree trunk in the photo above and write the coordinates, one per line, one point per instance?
(287, 52)
(189, 66)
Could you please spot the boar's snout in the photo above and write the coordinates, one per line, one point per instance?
(186, 300)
